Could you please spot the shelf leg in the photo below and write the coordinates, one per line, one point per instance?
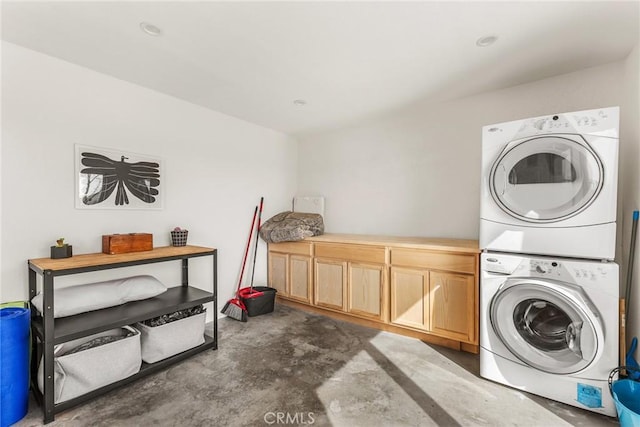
(47, 305)
(215, 299)
(35, 354)
(185, 272)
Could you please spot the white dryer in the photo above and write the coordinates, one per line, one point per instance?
(549, 326)
(549, 185)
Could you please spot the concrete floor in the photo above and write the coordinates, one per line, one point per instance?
(294, 368)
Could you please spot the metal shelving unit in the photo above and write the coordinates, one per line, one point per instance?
(47, 331)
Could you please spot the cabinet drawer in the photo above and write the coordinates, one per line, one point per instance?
(300, 248)
(375, 254)
(433, 260)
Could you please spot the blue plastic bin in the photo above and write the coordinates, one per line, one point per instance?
(626, 396)
(14, 362)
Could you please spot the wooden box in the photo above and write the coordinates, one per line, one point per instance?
(123, 243)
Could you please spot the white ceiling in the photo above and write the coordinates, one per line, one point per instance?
(348, 60)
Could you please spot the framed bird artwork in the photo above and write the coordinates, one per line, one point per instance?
(115, 179)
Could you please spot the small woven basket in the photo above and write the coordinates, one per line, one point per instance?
(179, 238)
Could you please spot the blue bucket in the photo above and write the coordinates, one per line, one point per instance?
(626, 396)
(14, 364)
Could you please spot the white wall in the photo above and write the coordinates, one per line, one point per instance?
(216, 169)
(417, 172)
(629, 194)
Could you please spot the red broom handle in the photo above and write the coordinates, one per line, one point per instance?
(246, 251)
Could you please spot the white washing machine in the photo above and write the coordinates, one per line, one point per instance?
(549, 185)
(549, 326)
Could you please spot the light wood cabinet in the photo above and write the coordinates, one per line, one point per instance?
(367, 291)
(448, 283)
(357, 273)
(452, 305)
(277, 276)
(434, 260)
(331, 284)
(409, 291)
(290, 270)
(424, 288)
(300, 277)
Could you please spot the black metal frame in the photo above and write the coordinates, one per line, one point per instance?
(44, 335)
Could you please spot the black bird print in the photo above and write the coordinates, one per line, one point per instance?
(139, 178)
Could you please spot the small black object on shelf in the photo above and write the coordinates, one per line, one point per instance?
(61, 249)
(65, 251)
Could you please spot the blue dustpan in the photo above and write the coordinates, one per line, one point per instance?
(631, 362)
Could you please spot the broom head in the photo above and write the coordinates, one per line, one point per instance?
(235, 309)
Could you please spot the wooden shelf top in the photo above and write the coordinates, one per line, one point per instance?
(440, 244)
(101, 259)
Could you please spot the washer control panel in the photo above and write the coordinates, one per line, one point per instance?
(565, 270)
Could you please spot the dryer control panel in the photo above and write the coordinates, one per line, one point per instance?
(600, 122)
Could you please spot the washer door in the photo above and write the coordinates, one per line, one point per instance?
(547, 324)
(546, 179)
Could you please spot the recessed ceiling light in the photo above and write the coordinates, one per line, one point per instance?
(299, 102)
(150, 29)
(486, 41)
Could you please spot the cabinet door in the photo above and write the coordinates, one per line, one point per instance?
(300, 278)
(278, 272)
(367, 290)
(330, 284)
(409, 297)
(452, 305)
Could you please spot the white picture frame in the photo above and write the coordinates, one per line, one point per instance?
(107, 178)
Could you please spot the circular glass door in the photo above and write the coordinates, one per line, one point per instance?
(547, 325)
(546, 179)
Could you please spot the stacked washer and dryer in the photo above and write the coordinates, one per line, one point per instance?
(549, 287)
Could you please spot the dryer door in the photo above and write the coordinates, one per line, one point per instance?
(546, 179)
(548, 325)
